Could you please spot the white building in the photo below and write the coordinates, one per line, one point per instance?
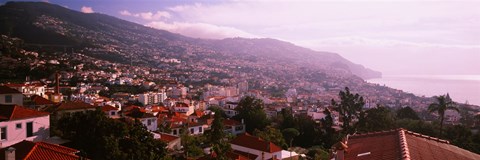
(18, 123)
(262, 149)
(181, 107)
(10, 96)
(229, 109)
(29, 88)
(233, 127)
(152, 98)
(147, 119)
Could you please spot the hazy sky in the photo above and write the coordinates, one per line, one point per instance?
(394, 37)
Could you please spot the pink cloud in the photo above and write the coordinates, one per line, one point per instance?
(149, 16)
(86, 9)
(201, 30)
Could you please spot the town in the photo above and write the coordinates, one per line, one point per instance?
(126, 91)
(171, 107)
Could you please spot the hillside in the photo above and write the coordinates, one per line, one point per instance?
(107, 37)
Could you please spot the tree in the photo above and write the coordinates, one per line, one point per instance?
(251, 111)
(290, 134)
(191, 145)
(272, 135)
(217, 110)
(95, 134)
(328, 136)
(349, 108)
(217, 137)
(309, 131)
(377, 119)
(407, 113)
(443, 103)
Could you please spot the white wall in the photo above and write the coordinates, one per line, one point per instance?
(16, 99)
(41, 130)
(196, 130)
(257, 152)
(153, 124)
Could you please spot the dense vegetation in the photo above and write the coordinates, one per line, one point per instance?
(100, 137)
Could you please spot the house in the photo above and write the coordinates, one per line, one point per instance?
(70, 107)
(181, 107)
(110, 111)
(38, 150)
(251, 145)
(229, 109)
(194, 128)
(233, 127)
(398, 144)
(29, 88)
(147, 119)
(38, 102)
(10, 96)
(230, 155)
(173, 142)
(18, 123)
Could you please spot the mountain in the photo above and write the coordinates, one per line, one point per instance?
(48, 25)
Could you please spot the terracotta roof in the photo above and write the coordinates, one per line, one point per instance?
(159, 109)
(25, 85)
(39, 100)
(231, 155)
(74, 105)
(8, 90)
(167, 137)
(15, 112)
(27, 150)
(231, 122)
(107, 108)
(181, 104)
(403, 144)
(139, 113)
(245, 154)
(249, 141)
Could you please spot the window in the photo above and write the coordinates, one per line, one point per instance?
(8, 99)
(175, 132)
(149, 122)
(3, 133)
(18, 126)
(29, 129)
(192, 130)
(200, 129)
(238, 128)
(112, 113)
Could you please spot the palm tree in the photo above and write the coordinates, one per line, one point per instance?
(443, 103)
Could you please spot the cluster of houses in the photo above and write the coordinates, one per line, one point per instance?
(26, 110)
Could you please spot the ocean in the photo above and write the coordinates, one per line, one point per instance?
(462, 88)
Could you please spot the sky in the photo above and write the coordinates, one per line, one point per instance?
(392, 36)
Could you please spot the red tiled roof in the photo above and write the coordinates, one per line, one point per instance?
(74, 105)
(8, 90)
(231, 122)
(159, 109)
(139, 113)
(245, 154)
(27, 150)
(39, 100)
(181, 104)
(35, 84)
(249, 141)
(231, 155)
(107, 108)
(403, 144)
(167, 137)
(15, 112)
